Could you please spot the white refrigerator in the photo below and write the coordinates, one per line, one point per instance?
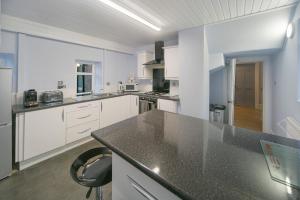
(5, 122)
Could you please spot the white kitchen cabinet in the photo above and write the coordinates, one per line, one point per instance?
(130, 183)
(167, 105)
(114, 110)
(81, 131)
(82, 116)
(171, 63)
(81, 120)
(144, 72)
(124, 105)
(44, 130)
(134, 105)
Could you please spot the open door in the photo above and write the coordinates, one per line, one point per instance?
(231, 90)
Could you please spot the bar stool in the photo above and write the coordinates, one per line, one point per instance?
(93, 169)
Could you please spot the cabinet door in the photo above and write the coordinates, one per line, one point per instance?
(134, 105)
(108, 112)
(123, 103)
(44, 131)
(171, 63)
(132, 184)
(167, 105)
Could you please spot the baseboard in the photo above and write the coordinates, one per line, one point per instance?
(32, 161)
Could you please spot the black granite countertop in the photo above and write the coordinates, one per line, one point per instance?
(198, 159)
(19, 108)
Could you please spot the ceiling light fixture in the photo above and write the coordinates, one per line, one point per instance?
(290, 30)
(130, 14)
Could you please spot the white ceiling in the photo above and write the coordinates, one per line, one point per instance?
(93, 18)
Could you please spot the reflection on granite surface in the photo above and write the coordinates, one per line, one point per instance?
(197, 159)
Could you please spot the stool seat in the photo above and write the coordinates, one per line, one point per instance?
(93, 169)
(100, 170)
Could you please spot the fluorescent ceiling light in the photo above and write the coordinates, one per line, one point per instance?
(130, 14)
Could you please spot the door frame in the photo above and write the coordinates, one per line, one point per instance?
(267, 86)
(231, 90)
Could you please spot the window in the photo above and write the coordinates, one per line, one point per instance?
(89, 78)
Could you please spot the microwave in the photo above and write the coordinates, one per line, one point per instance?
(130, 87)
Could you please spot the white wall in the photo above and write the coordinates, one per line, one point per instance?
(286, 75)
(193, 79)
(43, 62)
(262, 31)
(118, 67)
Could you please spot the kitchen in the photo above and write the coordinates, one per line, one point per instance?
(145, 95)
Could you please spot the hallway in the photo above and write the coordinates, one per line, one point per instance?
(248, 117)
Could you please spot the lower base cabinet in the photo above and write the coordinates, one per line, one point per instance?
(167, 105)
(41, 131)
(44, 130)
(130, 183)
(114, 110)
(81, 131)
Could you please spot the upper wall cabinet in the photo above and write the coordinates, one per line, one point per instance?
(171, 63)
(144, 72)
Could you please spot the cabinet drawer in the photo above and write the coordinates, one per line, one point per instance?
(130, 183)
(82, 116)
(81, 131)
(81, 106)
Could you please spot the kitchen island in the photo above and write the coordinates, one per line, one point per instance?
(161, 155)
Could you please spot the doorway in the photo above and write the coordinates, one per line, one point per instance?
(248, 96)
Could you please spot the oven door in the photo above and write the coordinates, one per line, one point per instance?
(144, 106)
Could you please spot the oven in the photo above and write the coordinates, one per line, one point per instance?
(147, 103)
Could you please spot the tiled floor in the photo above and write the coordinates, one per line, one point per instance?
(249, 118)
(49, 180)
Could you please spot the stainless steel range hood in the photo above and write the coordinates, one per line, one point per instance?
(159, 55)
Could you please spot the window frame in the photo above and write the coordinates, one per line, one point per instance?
(93, 74)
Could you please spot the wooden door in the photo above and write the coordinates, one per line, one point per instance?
(245, 85)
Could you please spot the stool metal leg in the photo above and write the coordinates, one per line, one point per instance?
(99, 193)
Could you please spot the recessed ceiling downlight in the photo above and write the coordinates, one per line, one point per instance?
(290, 30)
(129, 13)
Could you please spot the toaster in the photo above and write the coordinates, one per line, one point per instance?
(52, 96)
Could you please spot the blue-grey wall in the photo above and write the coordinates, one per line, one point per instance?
(286, 76)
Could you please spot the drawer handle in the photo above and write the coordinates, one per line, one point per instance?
(141, 190)
(84, 117)
(83, 106)
(82, 132)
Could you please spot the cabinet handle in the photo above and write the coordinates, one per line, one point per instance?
(136, 101)
(141, 190)
(83, 106)
(84, 131)
(63, 115)
(84, 117)
(101, 106)
(166, 72)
